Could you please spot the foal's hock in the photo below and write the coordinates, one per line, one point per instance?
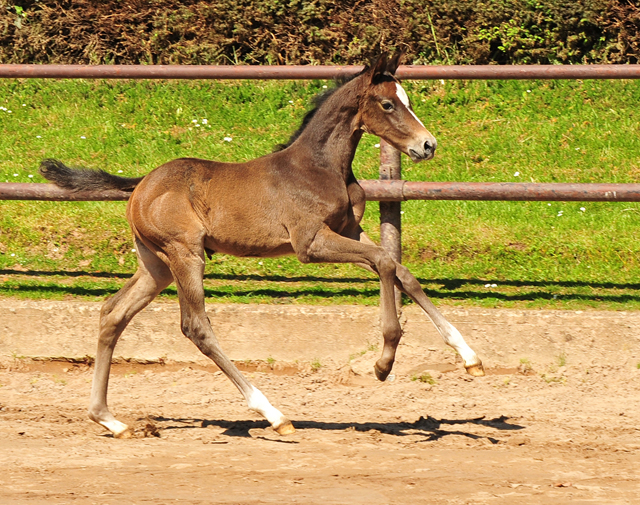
(303, 199)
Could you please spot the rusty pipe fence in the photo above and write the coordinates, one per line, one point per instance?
(390, 190)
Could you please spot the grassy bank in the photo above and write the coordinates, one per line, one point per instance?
(524, 254)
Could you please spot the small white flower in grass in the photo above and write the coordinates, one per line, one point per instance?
(38, 136)
(377, 146)
(194, 121)
(119, 171)
(204, 121)
(30, 176)
(560, 213)
(517, 174)
(402, 212)
(259, 262)
(82, 137)
(528, 91)
(487, 285)
(324, 87)
(494, 285)
(24, 104)
(15, 175)
(442, 81)
(549, 204)
(197, 125)
(577, 148)
(9, 111)
(227, 139)
(133, 250)
(582, 209)
(13, 254)
(290, 101)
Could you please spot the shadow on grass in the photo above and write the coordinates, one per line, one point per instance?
(280, 296)
(451, 289)
(222, 277)
(449, 284)
(428, 427)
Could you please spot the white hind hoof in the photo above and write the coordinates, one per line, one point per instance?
(285, 428)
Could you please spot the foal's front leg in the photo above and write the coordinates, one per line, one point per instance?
(329, 247)
(409, 285)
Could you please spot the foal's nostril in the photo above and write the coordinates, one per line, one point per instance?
(428, 146)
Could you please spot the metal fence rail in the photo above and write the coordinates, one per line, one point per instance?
(386, 191)
(418, 72)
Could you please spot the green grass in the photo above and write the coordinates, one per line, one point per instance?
(537, 254)
(424, 378)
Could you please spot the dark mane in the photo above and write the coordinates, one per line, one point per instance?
(317, 102)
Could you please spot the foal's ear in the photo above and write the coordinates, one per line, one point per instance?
(394, 62)
(378, 68)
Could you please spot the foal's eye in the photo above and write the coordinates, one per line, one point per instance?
(387, 105)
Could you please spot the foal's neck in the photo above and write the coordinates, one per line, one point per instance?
(332, 136)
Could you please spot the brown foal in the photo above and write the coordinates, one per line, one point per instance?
(302, 200)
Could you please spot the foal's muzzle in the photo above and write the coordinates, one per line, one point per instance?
(424, 150)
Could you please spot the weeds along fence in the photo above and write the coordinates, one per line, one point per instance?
(390, 190)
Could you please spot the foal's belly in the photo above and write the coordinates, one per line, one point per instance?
(250, 247)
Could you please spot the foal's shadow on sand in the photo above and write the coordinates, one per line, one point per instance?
(430, 428)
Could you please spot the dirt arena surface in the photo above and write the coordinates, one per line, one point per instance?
(550, 433)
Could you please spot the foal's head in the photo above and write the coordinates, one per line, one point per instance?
(385, 111)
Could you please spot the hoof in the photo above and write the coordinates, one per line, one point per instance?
(126, 433)
(285, 428)
(380, 375)
(476, 370)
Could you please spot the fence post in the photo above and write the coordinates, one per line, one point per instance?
(390, 225)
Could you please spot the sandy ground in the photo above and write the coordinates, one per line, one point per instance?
(558, 433)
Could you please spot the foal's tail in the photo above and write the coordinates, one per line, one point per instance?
(83, 179)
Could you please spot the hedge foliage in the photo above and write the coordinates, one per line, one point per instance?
(318, 31)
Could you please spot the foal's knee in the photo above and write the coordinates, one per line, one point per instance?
(386, 266)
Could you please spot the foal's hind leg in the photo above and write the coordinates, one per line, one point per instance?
(408, 284)
(188, 270)
(151, 277)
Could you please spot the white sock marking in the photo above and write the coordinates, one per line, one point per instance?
(402, 95)
(452, 337)
(259, 403)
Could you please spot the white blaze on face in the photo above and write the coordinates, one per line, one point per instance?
(402, 95)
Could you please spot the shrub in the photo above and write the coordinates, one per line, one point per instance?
(318, 32)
